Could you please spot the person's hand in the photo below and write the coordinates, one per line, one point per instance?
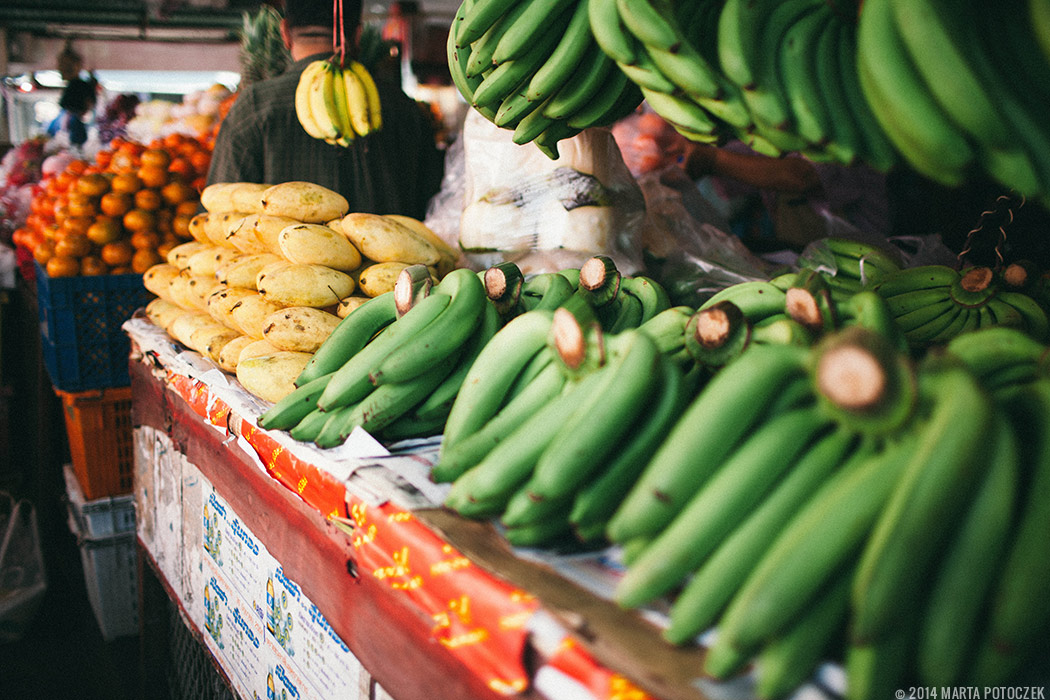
(700, 159)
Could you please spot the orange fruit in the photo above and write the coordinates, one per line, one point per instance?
(123, 161)
(44, 251)
(180, 225)
(200, 161)
(148, 199)
(140, 220)
(105, 230)
(153, 176)
(116, 203)
(92, 266)
(126, 183)
(144, 259)
(73, 245)
(176, 192)
(77, 224)
(155, 156)
(145, 239)
(81, 205)
(189, 207)
(77, 166)
(104, 158)
(62, 266)
(117, 253)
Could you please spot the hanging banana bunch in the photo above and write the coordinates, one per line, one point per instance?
(336, 99)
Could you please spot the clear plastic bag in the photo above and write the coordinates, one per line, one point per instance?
(23, 580)
(544, 214)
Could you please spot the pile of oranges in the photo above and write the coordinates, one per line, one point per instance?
(120, 214)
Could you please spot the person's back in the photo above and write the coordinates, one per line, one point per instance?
(394, 170)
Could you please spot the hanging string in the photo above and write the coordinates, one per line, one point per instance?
(339, 31)
(1001, 242)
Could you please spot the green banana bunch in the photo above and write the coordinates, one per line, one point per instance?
(533, 67)
(380, 370)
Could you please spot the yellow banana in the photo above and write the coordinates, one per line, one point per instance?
(375, 108)
(341, 110)
(356, 102)
(320, 99)
(303, 109)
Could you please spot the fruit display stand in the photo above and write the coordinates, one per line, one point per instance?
(412, 592)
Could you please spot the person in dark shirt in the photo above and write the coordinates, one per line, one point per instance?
(395, 170)
(78, 99)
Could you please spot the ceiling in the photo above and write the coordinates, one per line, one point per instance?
(219, 20)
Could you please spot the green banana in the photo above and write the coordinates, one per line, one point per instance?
(922, 314)
(623, 98)
(782, 330)
(738, 40)
(718, 579)
(313, 422)
(545, 291)
(680, 111)
(531, 126)
(845, 139)
(644, 73)
(989, 351)
(528, 30)
(588, 77)
(443, 336)
(349, 336)
(810, 550)
(481, 50)
(965, 322)
(902, 103)
(1019, 610)
(499, 83)
(650, 293)
(725, 499)
(974, 286)
(953, 613)
(875, 146)
(557, 131)
(667, 328)
(565, 58)
(629, 313)
(866, 308)
(866, 256)
(933, 35)
(497, 365)
(506, 468)
(939, 474)
(583, 442)
(458, 57)
(439, 402)
(652, 22)
(729, 406)
(766, 97)
(351, 382)
(609, 32)
(790, 659)
(1035, 318)
(409, 427)
(798, 74)
(757, 299)
(924, 334)
(387, 403)
(595, 501)
(471, 449)
(920, 277)
(286, 413)
(881, 668)
(905, 303)
(689, 71)
(541, 534)
(474, 19)
(997, 312)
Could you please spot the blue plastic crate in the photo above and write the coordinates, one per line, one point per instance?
(81, 338)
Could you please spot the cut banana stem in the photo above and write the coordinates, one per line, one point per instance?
(579, 349)
(865, 381)
(503, 285)
(974, 286)
(412, 284)
(717, 334)
(600, 278)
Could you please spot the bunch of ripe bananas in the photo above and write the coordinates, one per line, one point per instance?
(338, 103)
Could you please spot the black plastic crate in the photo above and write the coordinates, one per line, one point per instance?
(83, 344)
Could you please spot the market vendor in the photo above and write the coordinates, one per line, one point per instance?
(392, 171)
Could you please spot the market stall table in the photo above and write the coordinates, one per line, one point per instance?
(428, 604)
